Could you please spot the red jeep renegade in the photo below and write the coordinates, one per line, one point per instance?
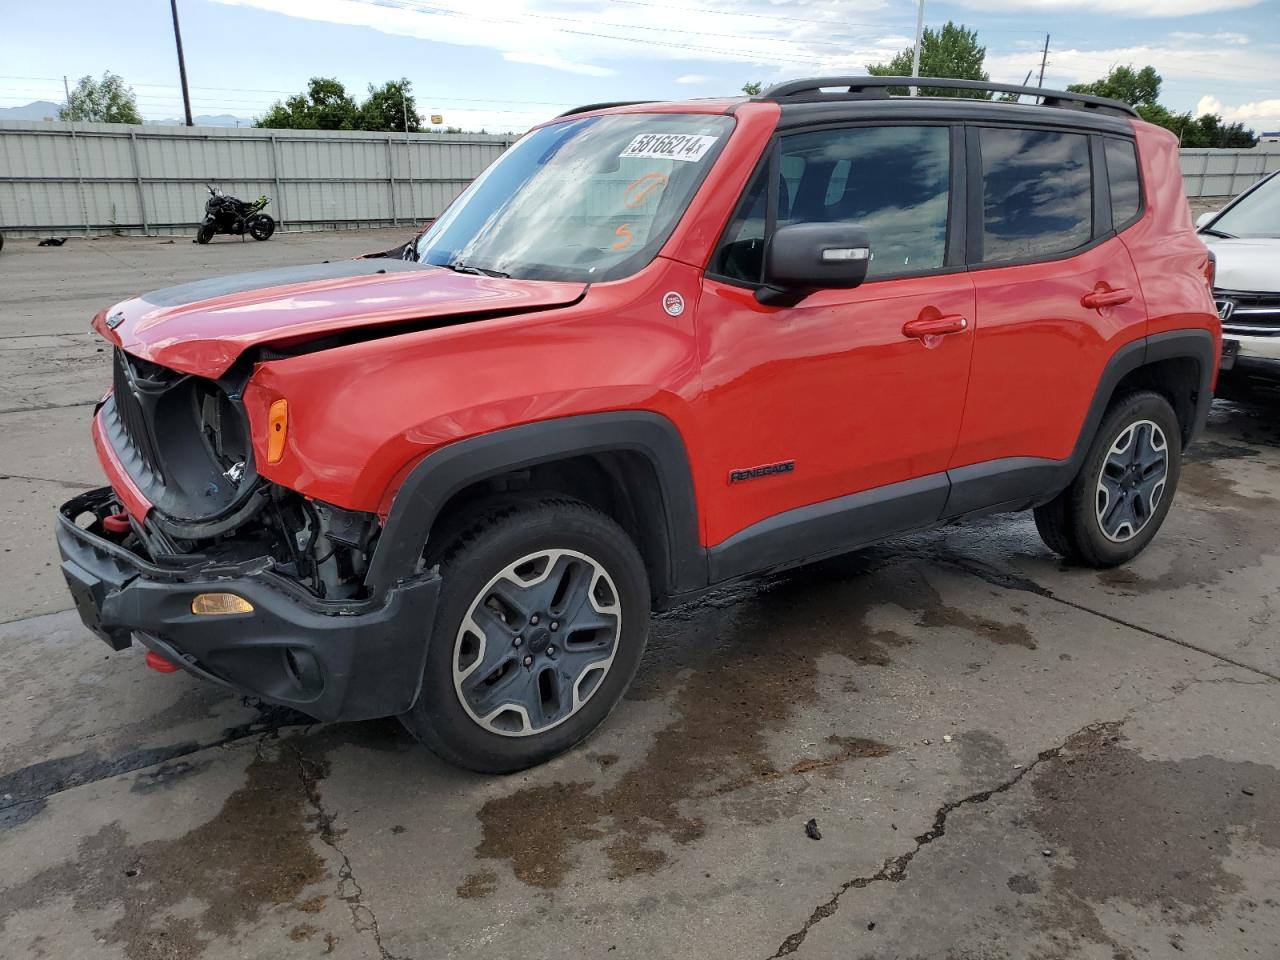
(653, 348)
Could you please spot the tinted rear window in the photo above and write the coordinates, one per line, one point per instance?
(1037, 193)
(1122, 174)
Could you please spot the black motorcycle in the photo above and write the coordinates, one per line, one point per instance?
(224, 214)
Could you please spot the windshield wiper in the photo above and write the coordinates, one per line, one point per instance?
(459, 267)
(1217, 233)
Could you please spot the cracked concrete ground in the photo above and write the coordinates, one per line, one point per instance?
(1004, 757)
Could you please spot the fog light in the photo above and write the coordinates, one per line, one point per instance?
(219, 604)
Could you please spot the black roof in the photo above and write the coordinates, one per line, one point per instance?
(828, 99)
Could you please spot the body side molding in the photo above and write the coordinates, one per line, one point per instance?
(830, 527)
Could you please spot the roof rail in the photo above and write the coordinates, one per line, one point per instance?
(588, 107)
(877, 88)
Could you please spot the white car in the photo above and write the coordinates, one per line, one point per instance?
(1245, 239)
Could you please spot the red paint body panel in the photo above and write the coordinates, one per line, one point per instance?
(1038, 353)
(205, 337)
(354, 433)
(1170, 258)
(831, 383)
(133, 499)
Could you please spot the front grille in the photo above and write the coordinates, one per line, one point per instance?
(1248, 312)
(133, 415)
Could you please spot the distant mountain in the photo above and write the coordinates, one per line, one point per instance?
(45, 110)
(39, 110)
(205, 120)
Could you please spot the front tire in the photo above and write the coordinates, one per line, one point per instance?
(542, 620)
(204, 233)
(1125, 486)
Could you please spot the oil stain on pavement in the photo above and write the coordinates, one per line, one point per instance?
(1150, 833)
(256, 853)
(741, 692)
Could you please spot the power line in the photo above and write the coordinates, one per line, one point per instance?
(444, 11)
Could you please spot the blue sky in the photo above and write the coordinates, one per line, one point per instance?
(505, 64)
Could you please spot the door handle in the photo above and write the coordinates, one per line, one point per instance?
(1103, 296)
(923, 327)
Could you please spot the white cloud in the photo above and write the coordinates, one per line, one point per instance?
(557, 63)
(1222, 37)
(1123, 8)
(1260, 115)
(1191, 65)
(771, 40)
(777, 37)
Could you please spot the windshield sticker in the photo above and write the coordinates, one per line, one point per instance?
(669, 146)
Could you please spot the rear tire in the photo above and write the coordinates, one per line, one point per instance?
(1120, 497)
(542, 620)
(261, 227)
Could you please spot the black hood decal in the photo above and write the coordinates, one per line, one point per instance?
(282, 276)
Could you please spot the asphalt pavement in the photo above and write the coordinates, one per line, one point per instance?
(1003, 757)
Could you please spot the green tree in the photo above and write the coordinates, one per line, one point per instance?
(1141, 89)
(1134, 87)
(952, 52)
(101, 101)
(753, 88)
(388, 106)
(325, 106)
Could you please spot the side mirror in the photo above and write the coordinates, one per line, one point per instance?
(1204, 218)
(804, 257)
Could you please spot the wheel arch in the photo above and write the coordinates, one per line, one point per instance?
(632, 465)
(1178, 364)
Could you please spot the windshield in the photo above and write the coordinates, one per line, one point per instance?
(584, 200)
(1257, 215)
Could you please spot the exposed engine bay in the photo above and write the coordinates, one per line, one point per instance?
(185, 442)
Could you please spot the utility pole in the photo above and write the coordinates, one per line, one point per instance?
(408, 153)
(915, 53)
(182, 64)
(1044, 57)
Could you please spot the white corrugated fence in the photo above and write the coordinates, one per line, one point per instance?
(109, 177)
(1224, 173)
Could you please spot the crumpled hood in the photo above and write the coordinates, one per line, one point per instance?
(1246, 263)
(201, 328)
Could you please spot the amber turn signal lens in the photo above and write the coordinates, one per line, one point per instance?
(277, 428)
(219, 604)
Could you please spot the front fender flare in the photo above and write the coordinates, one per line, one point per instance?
(448, 470)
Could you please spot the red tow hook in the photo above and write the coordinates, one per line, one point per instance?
(159, 663)
(116, 523)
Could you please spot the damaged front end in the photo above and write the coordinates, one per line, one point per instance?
(185, 444)
(230, 576)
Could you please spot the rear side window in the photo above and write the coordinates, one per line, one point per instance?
(1122, 175)
(1036, 193)
(893, 181)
